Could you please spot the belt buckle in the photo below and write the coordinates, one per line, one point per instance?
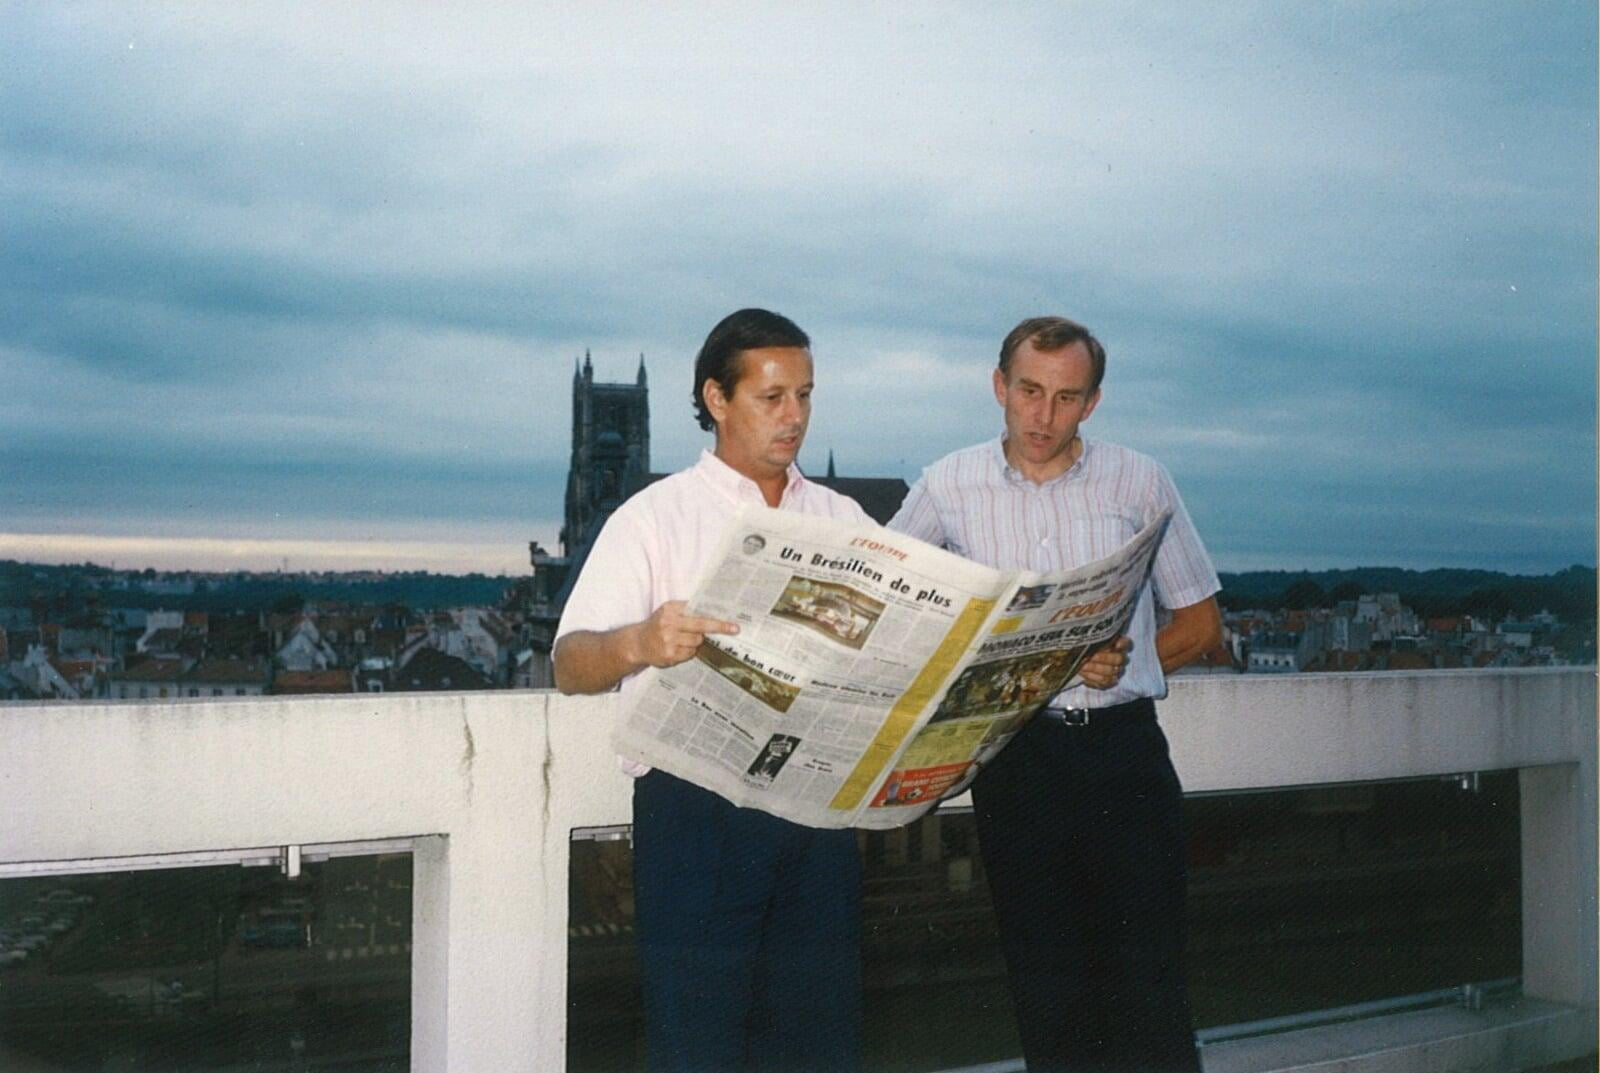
(1068, 717)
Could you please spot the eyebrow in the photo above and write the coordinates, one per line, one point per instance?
(1025, 382)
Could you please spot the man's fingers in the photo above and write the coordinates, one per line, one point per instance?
(704, 626)
(1104, 668)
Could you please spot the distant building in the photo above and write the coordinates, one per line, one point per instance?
(1387, 616)
(151, 679)
(292, 683)
(432, 671)
(171, 678)
(610, 452)
(1346, 633)
(39, 675)
(1275, 653)
(224, 678)
(1517, 634)
(304, 649)
(610, 462)
(11, 688)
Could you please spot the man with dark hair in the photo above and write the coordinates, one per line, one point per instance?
(721, 358)
(1079, 818)
(749, 926)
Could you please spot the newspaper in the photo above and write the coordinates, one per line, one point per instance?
(873, 674)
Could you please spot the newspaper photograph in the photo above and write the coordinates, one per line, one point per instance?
(872, 673)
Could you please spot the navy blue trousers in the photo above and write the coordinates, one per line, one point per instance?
(1081, 834)
(749, 931)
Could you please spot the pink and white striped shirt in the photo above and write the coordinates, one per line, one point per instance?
(974, 503)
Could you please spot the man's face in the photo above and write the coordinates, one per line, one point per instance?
(761, 425)
(1045, 396)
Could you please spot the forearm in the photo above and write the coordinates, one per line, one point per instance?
(1193, 631)
(590, 661)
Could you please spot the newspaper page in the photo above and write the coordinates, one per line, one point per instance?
(872, 672)
(1029, 651)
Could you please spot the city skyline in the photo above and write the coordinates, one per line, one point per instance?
(314, 287)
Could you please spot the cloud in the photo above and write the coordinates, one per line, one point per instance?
(340, 265)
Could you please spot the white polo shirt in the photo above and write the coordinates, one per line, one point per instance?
(976, 504)
(655, 547)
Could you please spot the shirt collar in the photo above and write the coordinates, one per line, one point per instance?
(1010, 473)
(735, 485)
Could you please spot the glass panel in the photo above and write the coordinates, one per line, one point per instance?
(209, 968)
(604, 1029)
(1300, 900)
(1306, 899)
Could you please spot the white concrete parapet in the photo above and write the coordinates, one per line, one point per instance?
(493, 783)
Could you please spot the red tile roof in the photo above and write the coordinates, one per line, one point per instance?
(330, 681)
(232, 671)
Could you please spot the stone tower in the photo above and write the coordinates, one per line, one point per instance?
(610, 451)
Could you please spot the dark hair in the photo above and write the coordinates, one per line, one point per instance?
(748, 329)
(1051, 334)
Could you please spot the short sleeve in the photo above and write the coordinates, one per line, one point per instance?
(1182, 574)
(614, 587)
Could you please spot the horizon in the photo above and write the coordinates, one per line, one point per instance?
(315, 287)
(287, 558)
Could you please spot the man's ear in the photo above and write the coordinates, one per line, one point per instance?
(1094, 400)
(1000, 386)
(716, 401)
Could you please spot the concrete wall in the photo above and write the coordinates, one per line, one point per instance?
(494, 782)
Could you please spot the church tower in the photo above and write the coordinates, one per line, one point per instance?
(610, 451)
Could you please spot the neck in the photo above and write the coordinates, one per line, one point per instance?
(1050, 470)
(771, 482)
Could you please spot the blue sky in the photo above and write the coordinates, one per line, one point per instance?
(283, 282)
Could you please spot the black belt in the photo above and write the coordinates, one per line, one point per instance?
(1099, 718)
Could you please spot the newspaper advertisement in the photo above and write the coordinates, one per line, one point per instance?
(872, 673)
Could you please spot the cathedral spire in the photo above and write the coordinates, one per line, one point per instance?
(641, 378)
(831, 474)
(588, 366)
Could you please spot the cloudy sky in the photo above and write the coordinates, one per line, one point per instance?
(286, 282)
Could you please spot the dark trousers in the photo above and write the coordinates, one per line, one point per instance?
(749, 933)
(1081, 835)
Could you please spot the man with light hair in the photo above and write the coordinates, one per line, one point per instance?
(1079, 817)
